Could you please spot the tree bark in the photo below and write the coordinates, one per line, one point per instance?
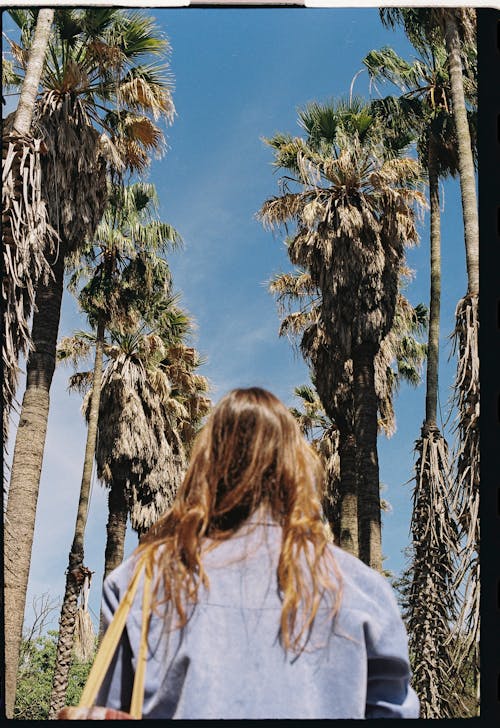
(365, 430)
(26, 469)
(330, 501)
(116, 529)
(465, 159)
(74, 574)
(31, 81)
(432, 372)
(349, 535)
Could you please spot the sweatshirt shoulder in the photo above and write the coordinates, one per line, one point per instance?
(360, 579)
(118, 579)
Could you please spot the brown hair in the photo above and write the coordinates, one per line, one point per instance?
(250, 453)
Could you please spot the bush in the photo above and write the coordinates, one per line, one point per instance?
(34, 679)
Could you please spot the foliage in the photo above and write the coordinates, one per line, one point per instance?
(36, 671)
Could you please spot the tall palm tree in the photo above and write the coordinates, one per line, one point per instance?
(152, 402)
(98, 61)
(152, 398)
(425, 108)
(355, 213)
(399, 359)
(126, 279)
(456, 27)
(25, 228)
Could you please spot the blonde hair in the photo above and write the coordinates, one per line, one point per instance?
(249, 454)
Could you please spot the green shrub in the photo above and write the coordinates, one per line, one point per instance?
(34, 680)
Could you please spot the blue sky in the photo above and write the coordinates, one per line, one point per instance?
(240, 75)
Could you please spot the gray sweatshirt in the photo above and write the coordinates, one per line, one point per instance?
(227, 661)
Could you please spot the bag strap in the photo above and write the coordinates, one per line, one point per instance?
(112, 637)
(140, 671)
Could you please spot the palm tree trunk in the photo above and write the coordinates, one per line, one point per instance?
(26, 468)
(26, 105)
(431, 394)
(116, 529)
(26, 236)
(365, 429)
(348, 493)
(433, 531)
(75, 573)
(465, 159)
(467, 385)
(330, 501)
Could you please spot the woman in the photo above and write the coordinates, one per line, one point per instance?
(256, 614)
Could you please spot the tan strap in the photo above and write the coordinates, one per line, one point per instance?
(140, 671)
(112, 637)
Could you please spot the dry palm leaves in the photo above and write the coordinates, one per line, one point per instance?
(27, 239)
(74, 168)
(138, 442)
(430, 607)
(84, 645)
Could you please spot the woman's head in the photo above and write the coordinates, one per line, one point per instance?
(250, 453)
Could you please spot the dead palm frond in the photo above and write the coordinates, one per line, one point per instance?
(466, 485)
(28, 241)
(85, 638)
(430, 606)
(152, 401)
(76, 202)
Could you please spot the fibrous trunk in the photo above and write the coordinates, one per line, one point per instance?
(466, 485)
(430, 597)
(27, 239)
(430, 600)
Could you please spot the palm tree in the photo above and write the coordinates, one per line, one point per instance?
(399, 359)
(25, 229)
(355, 213)
(152, 403)
(456, 28)
(95, 64)
(126, 280)
(333, 383)
(152, 399)
(424, 108)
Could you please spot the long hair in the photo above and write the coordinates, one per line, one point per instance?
(249, 454)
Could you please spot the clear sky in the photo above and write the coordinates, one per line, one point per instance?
(240, 74)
